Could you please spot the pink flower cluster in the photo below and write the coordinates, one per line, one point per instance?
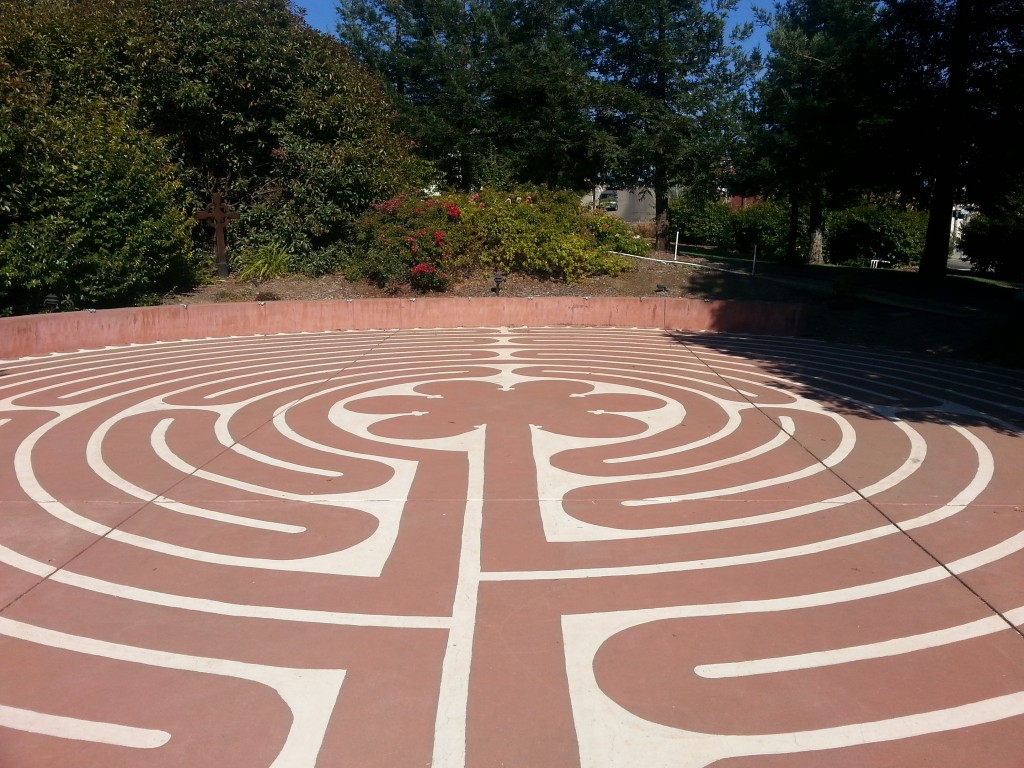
(425, 277)
(389, 206)
(453, 211)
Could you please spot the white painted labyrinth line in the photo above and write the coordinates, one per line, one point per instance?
(216, 607)
(612, 737)
(967, 495)
(450, 727)
(980, 628)
(366, 558)
(310, 694)
(902, 376)
(30, 721)
(307, 391)
(555, 483)
(360, 424)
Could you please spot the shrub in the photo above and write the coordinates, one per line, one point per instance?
(763, 224)
(701, 222)
(995, 243)
(261, 263)
(427, 277)
(245, 95)
(97, 217)
(547, 234)
(861, 234)
(613, 234)
(536, 232)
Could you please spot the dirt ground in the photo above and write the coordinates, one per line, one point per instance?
(833, 315)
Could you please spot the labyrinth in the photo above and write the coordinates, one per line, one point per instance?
(534, 548)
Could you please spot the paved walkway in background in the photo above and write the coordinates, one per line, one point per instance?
(505, 547)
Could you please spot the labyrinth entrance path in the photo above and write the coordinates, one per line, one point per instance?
(537, 548)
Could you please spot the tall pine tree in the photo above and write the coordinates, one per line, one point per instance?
(955, 68)
(673, 84)
(820, 110)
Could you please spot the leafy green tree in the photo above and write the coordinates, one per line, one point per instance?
(430, 52)
(252, 100)
(820, 110)
(540, 94)
(241, 95)
(957, 74)
(91, 208)
(93, 212)
(673, 89)
(493, 90)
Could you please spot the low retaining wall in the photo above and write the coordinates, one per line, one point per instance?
(67, 331)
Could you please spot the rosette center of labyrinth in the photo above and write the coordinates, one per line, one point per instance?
(544, 547)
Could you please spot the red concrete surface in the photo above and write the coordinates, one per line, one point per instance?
(491, 546)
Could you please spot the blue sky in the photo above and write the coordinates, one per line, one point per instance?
(321, 14)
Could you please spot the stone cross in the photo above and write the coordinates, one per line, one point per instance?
(217, 214)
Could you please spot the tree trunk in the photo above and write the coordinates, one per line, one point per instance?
(936, 241)
(660, 176)
(660, 209)
(949, 151)
(794, 225)
(815, 226)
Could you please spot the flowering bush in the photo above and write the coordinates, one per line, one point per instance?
(427, 277)
(426, 240)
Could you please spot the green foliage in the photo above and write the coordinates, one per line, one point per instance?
(955, 69)
(555, 93)
(712, 222)
(996, 243)
(302, 135)
(763, 224)
(493, 91)
(237, 96)
(613, 234)
(701, 221)
(866, 232)
(820, 114)
(427, 277)
(258, 264)
(525, 230)
(92, 210)
(672, 87)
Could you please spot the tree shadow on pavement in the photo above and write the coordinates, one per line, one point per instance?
(837, 310)
(870, 383)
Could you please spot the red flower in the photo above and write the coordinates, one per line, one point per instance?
(438, 237)
(453, 211)
(423, 269)
(415, 248)
(389, 206)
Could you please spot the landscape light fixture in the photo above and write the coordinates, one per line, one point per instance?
(52, 301)
(498, 280)
(661, 288)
